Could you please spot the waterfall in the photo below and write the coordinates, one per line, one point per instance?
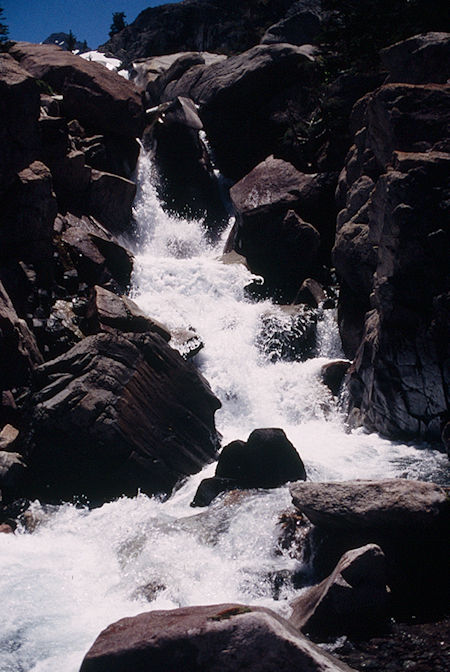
(80, 570)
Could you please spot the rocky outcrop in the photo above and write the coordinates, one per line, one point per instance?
(98, 98)
(408, 519)
(391, 254)
(223, 637)
(224, 26)
(244, 100)
(352, 601)
(126, 407)
(420, 60)
(284, 223)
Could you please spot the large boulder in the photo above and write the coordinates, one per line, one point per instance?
(409, 520)
(284, 222)
(99, 98)
(266, 460)
(421, 59)
(217, 638)
(19, 113)
(116, 414)
(352, 601)
(243, 101)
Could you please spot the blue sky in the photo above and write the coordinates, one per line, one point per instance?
(90, 20)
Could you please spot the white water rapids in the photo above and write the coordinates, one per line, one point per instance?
(81, 570)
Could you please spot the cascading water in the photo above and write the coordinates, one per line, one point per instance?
(80, 570)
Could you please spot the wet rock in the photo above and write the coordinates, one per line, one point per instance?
(186, 341)
(419, 60)
(352, 601)
(99, 98)
(19, 353)
(109, 312)
(333, 374)
(310, 293)
(6, 529)
(110, 200)
(188, 185)
(266, 460)
(19, 113)
(210, 488)
(221, 637)
(408, 519)
(116, 414)
(446, 437)
(288, 333)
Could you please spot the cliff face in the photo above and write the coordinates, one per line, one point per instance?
(223, 26)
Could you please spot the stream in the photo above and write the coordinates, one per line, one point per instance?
(81, 570)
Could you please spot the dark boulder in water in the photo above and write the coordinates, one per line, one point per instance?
(333, 374)
(266, 460)
(117, 414)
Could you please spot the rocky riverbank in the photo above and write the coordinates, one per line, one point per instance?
(340, 196)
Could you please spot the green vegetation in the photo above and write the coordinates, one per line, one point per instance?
(118, 23)
(71, 41)
(4, 33)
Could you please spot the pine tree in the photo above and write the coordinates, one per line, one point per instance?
(4, 32)
(71, 41)
(118, 23)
